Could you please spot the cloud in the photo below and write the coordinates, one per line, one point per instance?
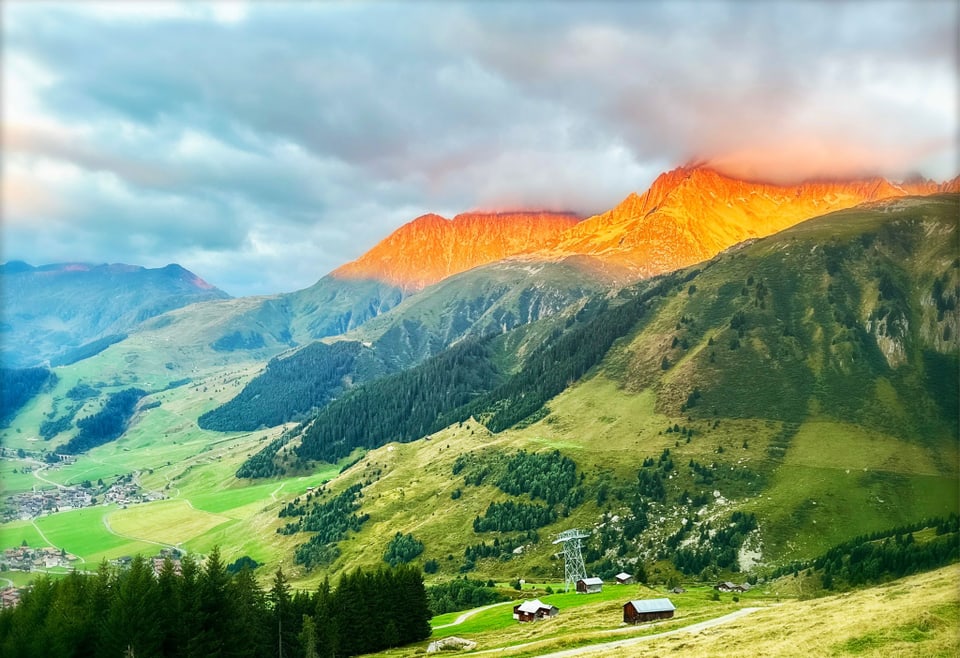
(264, 144)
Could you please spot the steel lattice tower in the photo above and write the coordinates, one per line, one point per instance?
(573, 567)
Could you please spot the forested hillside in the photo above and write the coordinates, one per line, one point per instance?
(294, 385)
(748, 335)
(107, 424)
(18, 386)
(483, 302)
(400, 407)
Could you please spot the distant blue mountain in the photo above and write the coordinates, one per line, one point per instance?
(50, 311)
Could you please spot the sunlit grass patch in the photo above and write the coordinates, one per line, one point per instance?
(166, 521)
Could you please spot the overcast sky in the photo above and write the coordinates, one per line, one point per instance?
(262, 144)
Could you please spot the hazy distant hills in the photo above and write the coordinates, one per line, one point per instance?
(50, 310)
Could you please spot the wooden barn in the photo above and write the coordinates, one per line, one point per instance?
(533, 610)
(623, 578)
(589, 585)
(635, 612)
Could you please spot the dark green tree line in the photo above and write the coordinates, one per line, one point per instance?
(289, 388)
(20, 385)
(107, 424)
(205, 611)
(402, 407)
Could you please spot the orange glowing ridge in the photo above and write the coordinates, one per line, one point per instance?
(691, 214)
(688, 215)
(431, 247)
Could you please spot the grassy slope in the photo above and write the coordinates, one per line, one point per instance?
(608, 431)
(916, 616)
(869, 447)
(173, 455)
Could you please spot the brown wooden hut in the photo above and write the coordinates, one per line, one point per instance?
(635, 612)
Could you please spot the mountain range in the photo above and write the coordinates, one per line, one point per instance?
(687, 215)
(487, 274)
(713, 353)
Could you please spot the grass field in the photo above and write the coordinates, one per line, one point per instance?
(164, 521)
(914, 616)
(603, 610)
(83, 533)
(207, 506)
(13, 479)
(17, 532)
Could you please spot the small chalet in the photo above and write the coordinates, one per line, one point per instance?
(624, 578)
(533, 610)
(635, 612)
(589, 585)
(729, 587)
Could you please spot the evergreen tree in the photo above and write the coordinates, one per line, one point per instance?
(70, 624)
(129, 624)
(250, 618)
(168, 614)
(325, 627)
(188, 605)
(415, 618)
(308, 638)
(283, 624)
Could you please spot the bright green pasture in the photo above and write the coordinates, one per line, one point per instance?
(23, 578)
(83, 533)
(586, 618)
(14, 480)
(242, 501)
(16, 532)
(836, 471)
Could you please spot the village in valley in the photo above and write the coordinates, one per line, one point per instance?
(51, 559)
(49, 497)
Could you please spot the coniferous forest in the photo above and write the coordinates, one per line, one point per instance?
(291, 387)
(405, 406)
(107, 424)
(19, 386)
(205, 611)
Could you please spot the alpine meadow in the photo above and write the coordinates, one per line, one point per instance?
(720, 417)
